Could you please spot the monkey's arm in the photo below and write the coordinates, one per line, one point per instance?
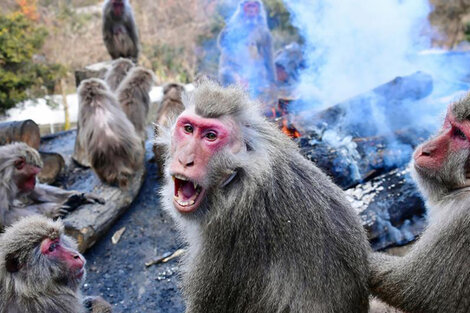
(132, 31)
(70, 198)
(266, 50)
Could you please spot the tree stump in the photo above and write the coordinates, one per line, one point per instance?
(20, 131)
(53, 167)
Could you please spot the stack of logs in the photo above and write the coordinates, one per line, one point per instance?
(370, 164)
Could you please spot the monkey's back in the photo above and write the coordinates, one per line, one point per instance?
(113, 147)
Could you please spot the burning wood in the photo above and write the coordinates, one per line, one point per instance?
(284, 119)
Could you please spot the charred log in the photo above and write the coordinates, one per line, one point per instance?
(391, 208)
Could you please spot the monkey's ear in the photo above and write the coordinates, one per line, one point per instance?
(12, 264)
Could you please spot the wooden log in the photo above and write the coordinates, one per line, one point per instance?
(53, 167)
(97, 70)
(355, 116)
(92, 221)
(25, 131)
(89, 222)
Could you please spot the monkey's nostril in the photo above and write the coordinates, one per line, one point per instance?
(426, 153)
(190, 164)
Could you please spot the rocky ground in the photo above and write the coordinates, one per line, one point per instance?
(118, 272)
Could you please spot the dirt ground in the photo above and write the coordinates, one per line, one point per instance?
(118, 272)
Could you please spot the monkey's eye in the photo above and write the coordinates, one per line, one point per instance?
(188, 129)
(19, 164)
(211, 136)
(457, 133)
(53, 246)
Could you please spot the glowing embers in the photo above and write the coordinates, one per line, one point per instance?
(188, 195)
(284, 119)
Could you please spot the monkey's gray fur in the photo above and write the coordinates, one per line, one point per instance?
(434, 276)
(118, 71)
(47, 200)
(40, 285)
(170, 107)
(133, 96)
(108, 137)
(120, 33)
(279, 237)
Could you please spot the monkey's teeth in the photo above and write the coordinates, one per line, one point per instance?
(180, 177)
(195, 186)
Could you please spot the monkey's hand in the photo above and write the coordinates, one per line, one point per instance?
(96, 305)
(79, 199)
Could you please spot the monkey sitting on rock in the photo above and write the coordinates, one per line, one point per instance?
(20, 195)
(41, 270)
(434, 276)
(266, 230)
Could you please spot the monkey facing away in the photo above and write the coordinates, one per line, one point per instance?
(21, 195)
(133, 96)
(267, 231)
(434, 276)
(120, 33)
(170, 107)
(118, 71)
(41, 270)
(113, 147)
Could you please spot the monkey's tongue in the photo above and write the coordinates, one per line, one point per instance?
(187, 190)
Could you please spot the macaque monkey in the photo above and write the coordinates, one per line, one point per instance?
(434, 276)
(133, 96)
(41, 270)
(246, 52)
(120, 33)
(21, 195)
(266, 230)
(113, 147)
(117, 72)
(170, 107)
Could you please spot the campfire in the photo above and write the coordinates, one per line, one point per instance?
(284, 119)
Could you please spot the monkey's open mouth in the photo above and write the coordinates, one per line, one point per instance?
(188, 194)
(80, 273)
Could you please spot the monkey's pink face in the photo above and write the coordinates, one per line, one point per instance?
(56, 251)
(195, 142)
(26, 175)
(251, 9)
(454, 136)
(118, 7)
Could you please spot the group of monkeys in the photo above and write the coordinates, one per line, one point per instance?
(266, 230)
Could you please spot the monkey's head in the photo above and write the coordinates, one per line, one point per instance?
(141, 77)
(251, 8)
(121, 65)
(442, 164)
(36, 255)
(20, 163)
(207, 142)
(118, 8)
(173, 91)
(92, 89)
